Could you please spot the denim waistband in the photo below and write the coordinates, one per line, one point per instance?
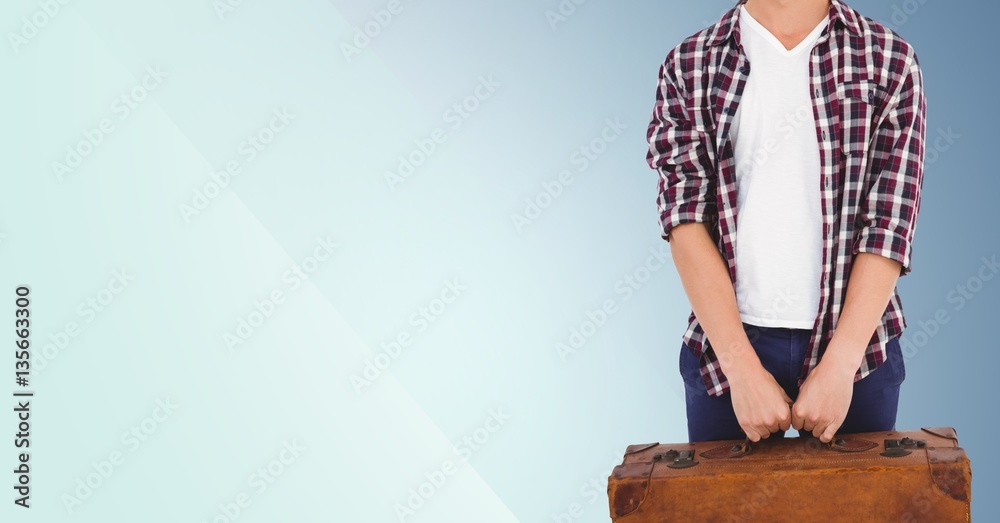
(776, 331)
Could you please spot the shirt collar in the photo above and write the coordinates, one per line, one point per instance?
(727, 25)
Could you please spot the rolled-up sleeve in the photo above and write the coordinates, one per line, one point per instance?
(888, 213)
(678, 150)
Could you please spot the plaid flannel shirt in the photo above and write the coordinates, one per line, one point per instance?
(869, 108)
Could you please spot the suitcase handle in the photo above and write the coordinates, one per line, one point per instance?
(838, 444)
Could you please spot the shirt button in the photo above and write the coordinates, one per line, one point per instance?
(745, 69)
(824, 135)
(871, 96)
(817, 93)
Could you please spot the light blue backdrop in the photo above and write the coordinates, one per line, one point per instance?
(281, 271)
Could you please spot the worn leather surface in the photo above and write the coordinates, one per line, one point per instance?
(791, 479)
(944, 432)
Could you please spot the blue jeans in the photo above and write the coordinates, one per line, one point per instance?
(782, 352)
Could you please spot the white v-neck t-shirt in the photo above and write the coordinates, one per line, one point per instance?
(779, 240)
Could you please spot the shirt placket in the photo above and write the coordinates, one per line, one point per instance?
(738, 72)
(827, 136)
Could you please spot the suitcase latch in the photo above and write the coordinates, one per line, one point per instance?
(895, 448)
(678, 459)
(669, 455)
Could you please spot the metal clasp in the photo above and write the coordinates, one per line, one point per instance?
(669, 455)
(678, 459)
(895, 448)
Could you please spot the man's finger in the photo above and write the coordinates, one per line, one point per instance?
(798, 417)
(779, 422)
(786, 418)
(750, 433)
(831, 431)
(819, 429)
(828, 434)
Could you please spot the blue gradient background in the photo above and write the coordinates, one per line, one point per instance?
(494, 347)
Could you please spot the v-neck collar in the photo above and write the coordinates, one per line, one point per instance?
(745, 16)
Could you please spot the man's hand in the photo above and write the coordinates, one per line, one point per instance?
(824, 398)
(761, 405)
(825, 395)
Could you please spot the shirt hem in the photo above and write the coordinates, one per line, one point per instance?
(779, 323)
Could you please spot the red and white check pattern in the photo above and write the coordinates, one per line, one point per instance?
(869, 107)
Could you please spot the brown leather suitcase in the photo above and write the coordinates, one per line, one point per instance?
(899, 476)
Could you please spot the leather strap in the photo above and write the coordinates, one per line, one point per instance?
(839, 444)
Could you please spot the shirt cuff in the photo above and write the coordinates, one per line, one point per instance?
(694, 212)
(885, 243)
